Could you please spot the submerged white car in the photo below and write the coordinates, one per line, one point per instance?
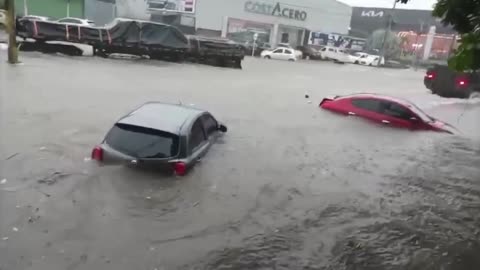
(335, 54)
(372, 60)
(279, 54)
(356, 57)
(297, 53)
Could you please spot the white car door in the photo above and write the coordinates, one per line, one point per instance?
(278, 54)
(289, 55)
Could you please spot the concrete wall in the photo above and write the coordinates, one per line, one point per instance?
(52, 8)
(134, 9)
(323, 15)
(100, 12)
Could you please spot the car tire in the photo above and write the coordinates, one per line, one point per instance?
(370, 64)
(291, 60)
(267, 57)
(356, 63)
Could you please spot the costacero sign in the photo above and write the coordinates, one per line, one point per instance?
(278, 10)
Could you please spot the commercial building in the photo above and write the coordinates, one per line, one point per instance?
(271, 21)
(365, 20)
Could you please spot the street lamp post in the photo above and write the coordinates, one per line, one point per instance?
(12, 33)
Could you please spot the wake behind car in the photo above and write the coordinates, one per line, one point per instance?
(447, 83)
(165, 136)
(385, 110)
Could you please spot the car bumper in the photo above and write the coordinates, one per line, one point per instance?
(428, 83)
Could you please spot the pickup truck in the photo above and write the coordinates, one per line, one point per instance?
(445, 82)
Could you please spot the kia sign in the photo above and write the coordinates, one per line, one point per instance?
(278, 10)
(372, 13)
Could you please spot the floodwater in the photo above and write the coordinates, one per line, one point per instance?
(288, 187)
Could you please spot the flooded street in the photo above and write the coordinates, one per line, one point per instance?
(290, 186)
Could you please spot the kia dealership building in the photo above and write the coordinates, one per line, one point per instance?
(285, 21)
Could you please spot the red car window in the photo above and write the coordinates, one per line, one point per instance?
(396, 110)
(368, 104)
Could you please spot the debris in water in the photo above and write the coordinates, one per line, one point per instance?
(4, 180)
(53, 178)
(152, 248)
(5, 238)
(15, 229)
(196, 203)
(309, 102)
(307, 95)
(87, 159)
(148, 198)
(43, 148)
(12, 156)
(445, 254)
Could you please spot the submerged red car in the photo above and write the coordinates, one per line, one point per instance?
(385, 110)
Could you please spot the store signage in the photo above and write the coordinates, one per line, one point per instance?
(372, 13)
(278, 10)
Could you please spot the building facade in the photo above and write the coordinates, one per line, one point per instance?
(51, 8)
(270, 21)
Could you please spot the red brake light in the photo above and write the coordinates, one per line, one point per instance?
(180, 168)
(430, 75)
(97, 153)
(461, 81)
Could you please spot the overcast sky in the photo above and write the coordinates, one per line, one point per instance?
(413, 4)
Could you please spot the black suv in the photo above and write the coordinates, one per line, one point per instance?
(447, 83)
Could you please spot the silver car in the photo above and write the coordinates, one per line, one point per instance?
(165, 136)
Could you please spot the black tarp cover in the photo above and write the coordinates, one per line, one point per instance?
(121, 32)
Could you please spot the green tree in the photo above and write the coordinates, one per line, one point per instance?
(392, 43)
(464, 17)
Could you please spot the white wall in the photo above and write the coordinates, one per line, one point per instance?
(323, 15)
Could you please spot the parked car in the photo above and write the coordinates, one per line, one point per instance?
(372, 60)
(356, 57)
(310, 52)
(36, 18)
(298, 53)
(160, 135)
(76, 21)
(447, 83)
(279, 54)
(335, 54)
(385, 110)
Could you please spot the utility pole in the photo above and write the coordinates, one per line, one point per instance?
(12, 33)
(387, 31)
(25, 8)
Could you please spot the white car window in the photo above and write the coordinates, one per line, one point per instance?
(323, 49)
(288, 52)
(278, 51)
